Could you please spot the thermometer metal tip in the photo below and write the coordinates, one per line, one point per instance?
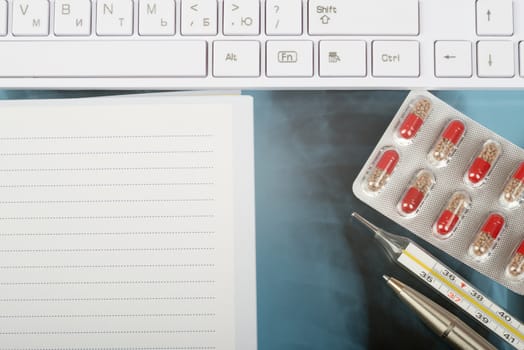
(392, 244)
(365, 222)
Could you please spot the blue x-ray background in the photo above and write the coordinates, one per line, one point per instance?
(319, 274)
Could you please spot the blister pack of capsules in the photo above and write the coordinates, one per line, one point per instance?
(452, 182)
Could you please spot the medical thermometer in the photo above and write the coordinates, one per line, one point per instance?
(453, 287)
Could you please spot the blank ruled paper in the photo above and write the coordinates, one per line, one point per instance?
(119, 225)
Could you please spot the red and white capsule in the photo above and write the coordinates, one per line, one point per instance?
(381, 171)
(513, 192)
(486, 238)
(416, 193)
(447, 143)
(482, 165)
(515, 268)
(417, 113)
(451, 215)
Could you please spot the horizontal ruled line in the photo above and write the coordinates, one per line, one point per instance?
(110, 185)
(104, 250)
(59, 283)
(28, 170)
(137, 233)
(110, 315)
(46, 300)
(164, 331)
(102, 217)
(103, 137)
(124, 348)
(40, 154)
(97, 201)
(122, 266)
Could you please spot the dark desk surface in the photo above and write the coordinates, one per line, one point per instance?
(319, 276)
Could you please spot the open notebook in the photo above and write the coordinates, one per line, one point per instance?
(127, 224)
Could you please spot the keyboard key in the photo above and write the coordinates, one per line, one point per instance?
(363, 17)
(236, 58)
(72, 17)
(199, 17)
(114, 17)
(3, 17)
(453, 59)
(283, 17)
(156, 17)
(342, 58)
(521, 46)
(396, 59)
(241, 17)
(495, 59)
(495, 17)
(113, 59)
(289, 58)
(30, 18)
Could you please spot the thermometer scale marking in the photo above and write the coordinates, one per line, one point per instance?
(460, 292)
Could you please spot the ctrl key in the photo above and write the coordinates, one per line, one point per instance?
(396, 59)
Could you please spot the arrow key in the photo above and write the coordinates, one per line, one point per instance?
(495, 17)
(495, 59)
(453, 59)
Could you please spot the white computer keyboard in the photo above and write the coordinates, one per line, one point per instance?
(271, 44)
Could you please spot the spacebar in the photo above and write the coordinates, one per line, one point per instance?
(48, 59)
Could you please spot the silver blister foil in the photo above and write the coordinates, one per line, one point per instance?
(450, 177)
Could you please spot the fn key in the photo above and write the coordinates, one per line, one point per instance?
(289, 58)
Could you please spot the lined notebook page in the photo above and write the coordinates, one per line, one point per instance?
(117, 226)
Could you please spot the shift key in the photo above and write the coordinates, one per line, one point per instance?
(363, 17)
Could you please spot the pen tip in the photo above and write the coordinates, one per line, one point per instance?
(386, 277)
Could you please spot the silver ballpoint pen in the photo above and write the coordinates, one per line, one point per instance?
(455, 332)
